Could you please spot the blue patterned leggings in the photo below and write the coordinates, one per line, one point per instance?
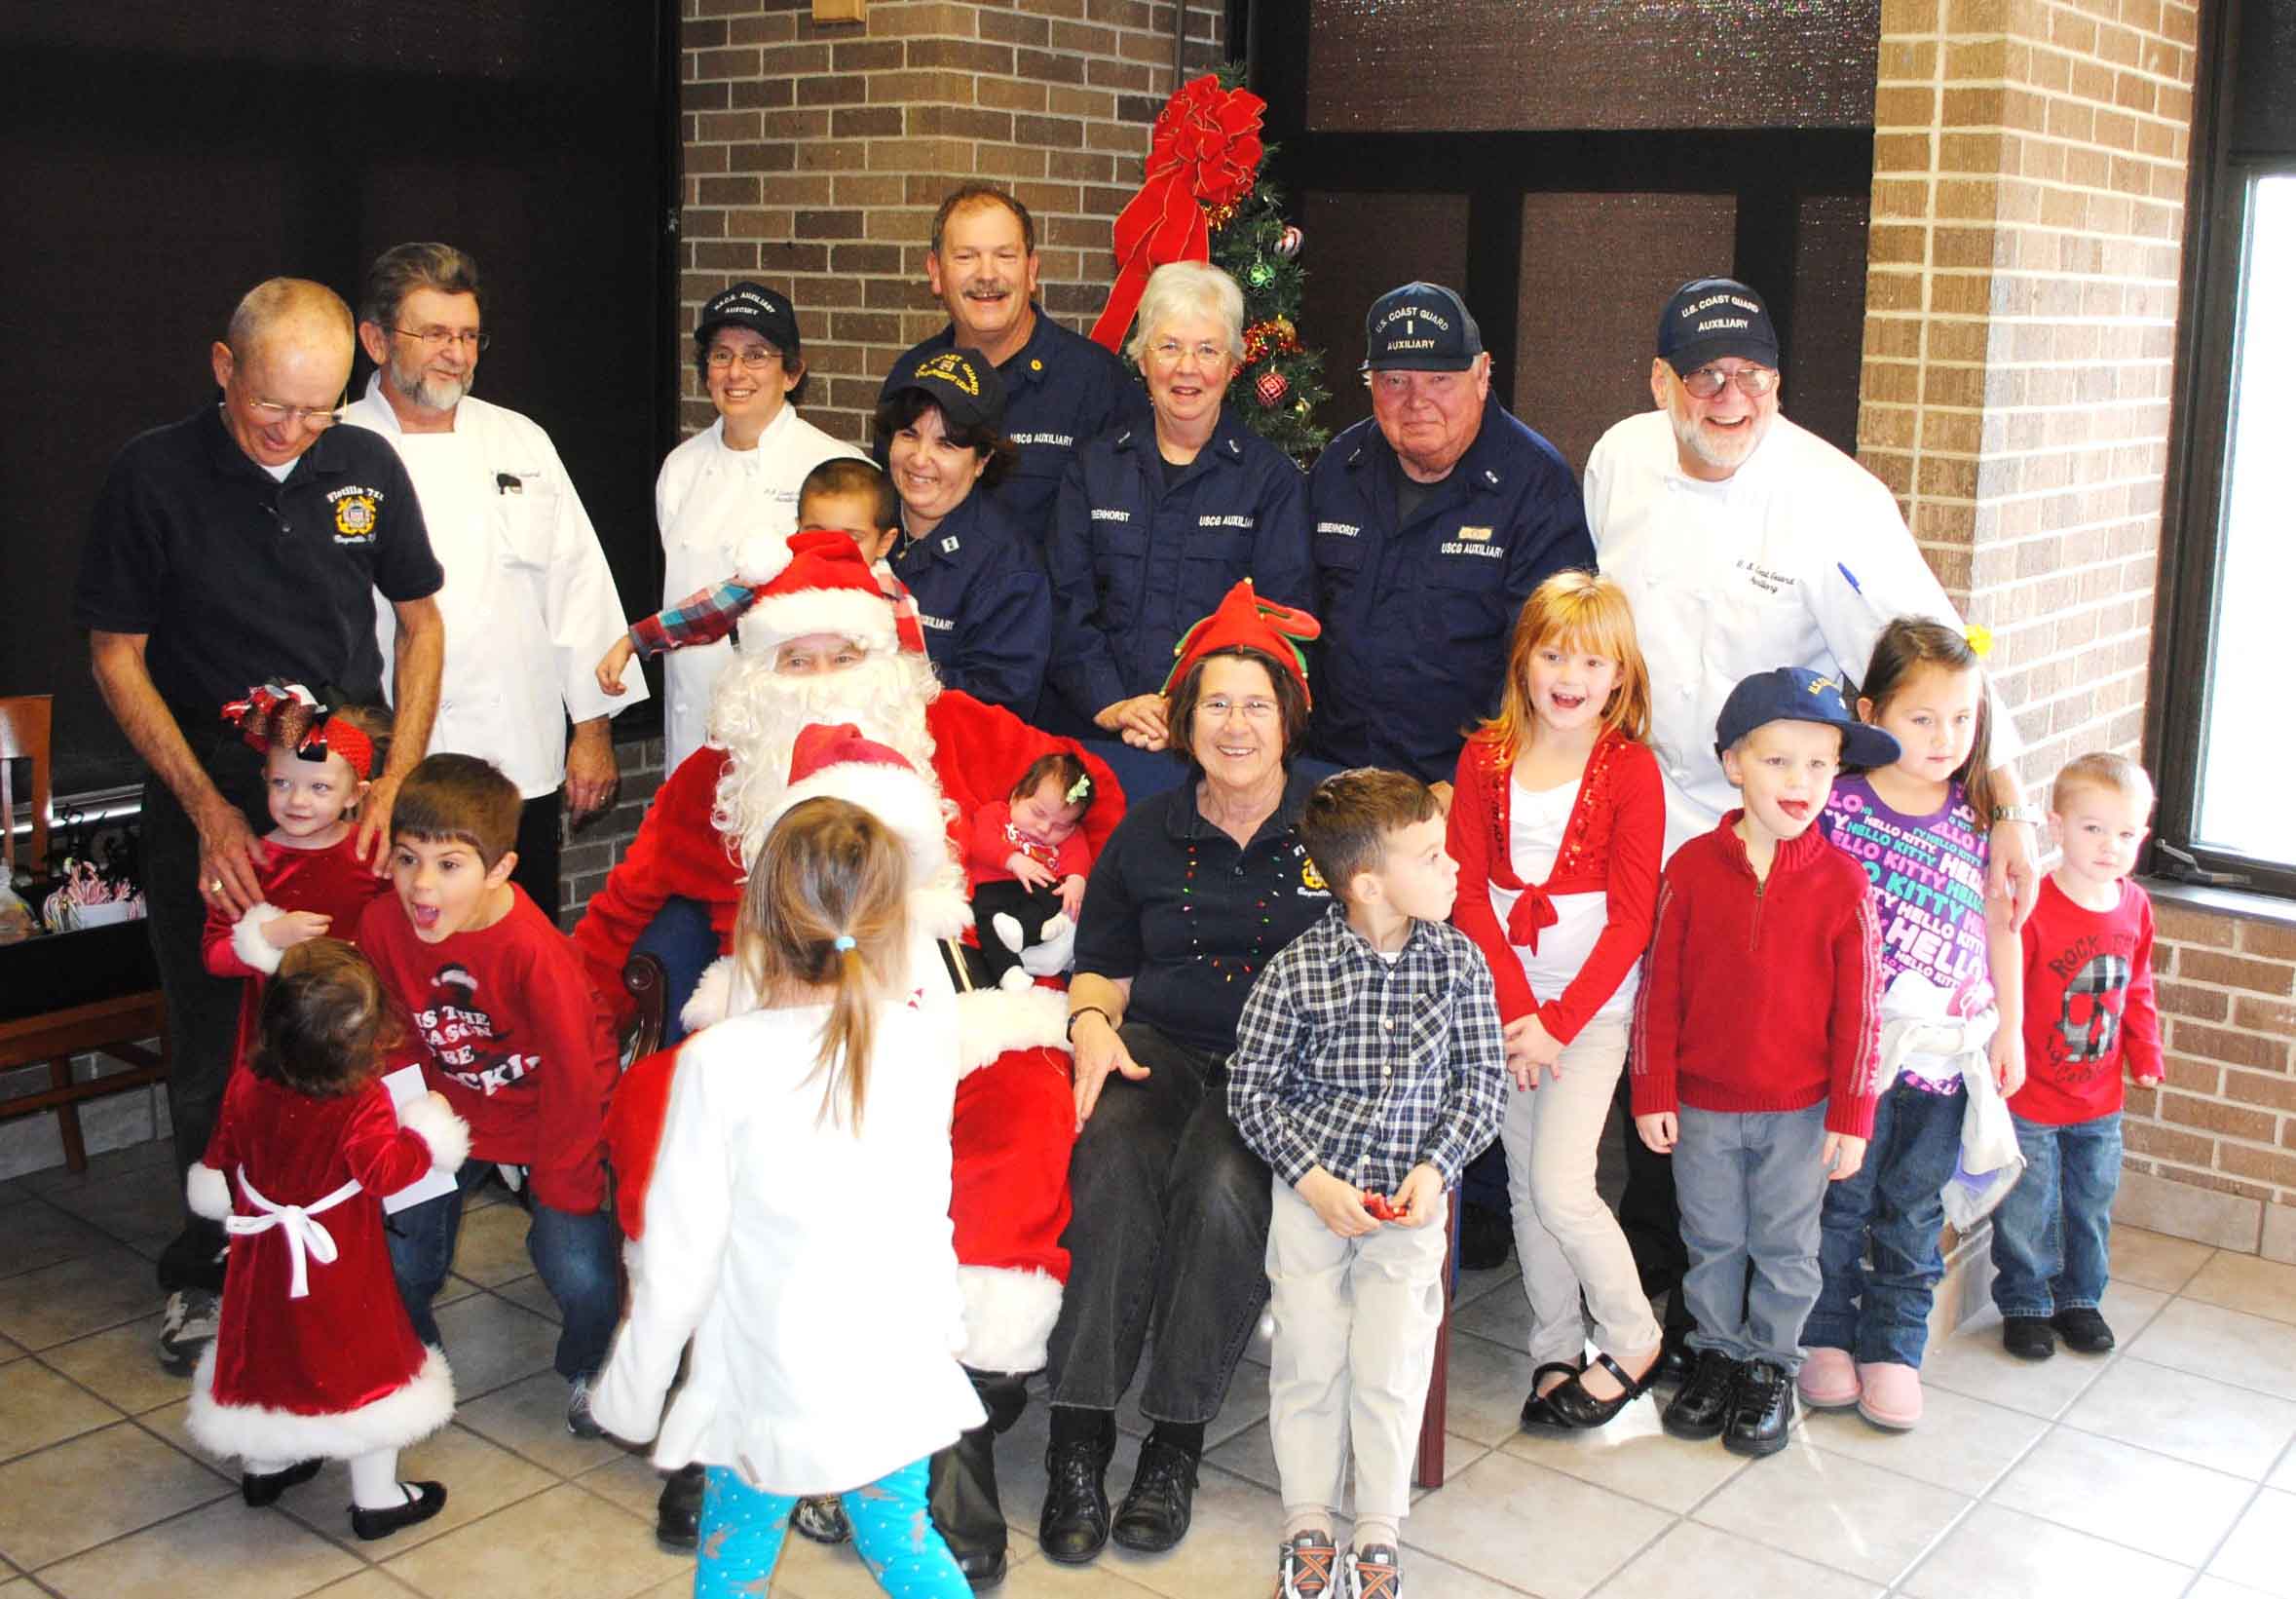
(742, 1529)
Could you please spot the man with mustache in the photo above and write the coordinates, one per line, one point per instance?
(529, 602)
(1060, 389)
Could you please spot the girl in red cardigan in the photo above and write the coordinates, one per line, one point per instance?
(1557, 822)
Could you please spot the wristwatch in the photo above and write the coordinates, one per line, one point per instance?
(1069, 1032)
(2027, 813)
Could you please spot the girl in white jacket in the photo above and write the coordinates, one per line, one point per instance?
(797, 1229)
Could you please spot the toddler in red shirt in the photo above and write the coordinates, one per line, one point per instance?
(510, 1032)
(1027, 861)
(1755, 1047)
(2089, 1012)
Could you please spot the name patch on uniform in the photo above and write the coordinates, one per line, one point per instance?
(1226, 521)
(355, 514)
(1768, 581)
(1066, 440)
(1473, 532)
(937, 622)
(949, 545)
(1346, 530)
(1489, 552)
(1104, 514)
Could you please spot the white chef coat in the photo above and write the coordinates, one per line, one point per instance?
(1798, 558)
(706, 502)
(529, 602)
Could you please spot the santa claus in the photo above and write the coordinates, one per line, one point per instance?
(820, 648)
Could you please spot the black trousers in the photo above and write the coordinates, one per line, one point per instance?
(1031, 907)
(541, 825)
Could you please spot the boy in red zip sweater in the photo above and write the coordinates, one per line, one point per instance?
(508, 1029)
(1755, 1047)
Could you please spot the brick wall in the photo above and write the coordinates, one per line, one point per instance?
(815, 154)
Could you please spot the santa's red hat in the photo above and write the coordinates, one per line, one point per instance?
(814, 582)
(840, 763)
(1244, 621)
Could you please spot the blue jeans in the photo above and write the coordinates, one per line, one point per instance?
(742, 1529)
(1892, 1206)
(2050, 1235)
(579, 1257)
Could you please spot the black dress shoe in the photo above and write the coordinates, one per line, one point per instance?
(1761, 1412)
(1075, 1526)
(1703, 1406)
(1485, 1238)
(1576, 1410)
(429, 1498)
(1537, 1415)
(2083, 1330)
(677, 1517)
(1156, 1511)
(2028, 1337)
(261, 1488)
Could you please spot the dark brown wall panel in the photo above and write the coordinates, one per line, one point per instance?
(1359, 246)
(1827, 337)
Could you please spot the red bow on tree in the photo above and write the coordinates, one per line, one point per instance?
(1206, 155)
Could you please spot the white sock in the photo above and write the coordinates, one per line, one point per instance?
(1306, 1518)
(374, 1481)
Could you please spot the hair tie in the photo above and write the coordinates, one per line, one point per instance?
(1080, 789)
(843, 941)
(1980, 638)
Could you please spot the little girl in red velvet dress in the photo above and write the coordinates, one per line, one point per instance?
(314, 1357)
(318, 763)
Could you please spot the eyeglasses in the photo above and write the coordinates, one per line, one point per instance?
(1168, 351)
(1396, 385)
(1255, 710)
(271, 413)
(1754, 382)
(438, 338)
(756, 358)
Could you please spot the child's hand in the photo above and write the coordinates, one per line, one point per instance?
(296, 927)
(1337, 1204)
(1421, 1192)
(610, 665)
(2144, 1082)
(1659, 1130)
(1531, 1050)
(1072, 896)
(2008, 1061)
(1028, 873)
(1842, 1156)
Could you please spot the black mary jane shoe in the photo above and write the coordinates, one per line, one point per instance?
(261, 1488)
(1537, 1415)
(1155, 1513)
(429, 1498)
(1576, 1410)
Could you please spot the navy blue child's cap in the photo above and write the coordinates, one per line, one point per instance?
(1420, 327)
(1788, 694)
(1710, 318)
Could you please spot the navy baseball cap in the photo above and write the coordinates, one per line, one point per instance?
(1710, 318)
(765, 311)
(1420, 327)
(1789, 694)
(962, 382)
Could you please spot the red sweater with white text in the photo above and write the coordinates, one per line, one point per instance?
(1761, 995)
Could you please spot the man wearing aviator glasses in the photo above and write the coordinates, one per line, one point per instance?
(529, 602)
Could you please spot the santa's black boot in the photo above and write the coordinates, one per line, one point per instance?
(963, 1481)
(677, 1518)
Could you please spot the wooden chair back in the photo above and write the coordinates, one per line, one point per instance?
(24, 737)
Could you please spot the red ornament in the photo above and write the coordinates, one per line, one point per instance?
(1270, 388)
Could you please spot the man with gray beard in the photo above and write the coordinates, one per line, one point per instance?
(529, 603)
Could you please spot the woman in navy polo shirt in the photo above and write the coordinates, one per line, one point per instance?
(1195, 892)
(980, 590)
(1155, 524)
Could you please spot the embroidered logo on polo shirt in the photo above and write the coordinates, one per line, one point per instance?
(1309, 877)
(354, 513)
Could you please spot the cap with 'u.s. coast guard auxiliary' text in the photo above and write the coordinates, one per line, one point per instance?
(1420, 327)
(1710, 318)
(765, 311)
(1794, 694)
(960, 381)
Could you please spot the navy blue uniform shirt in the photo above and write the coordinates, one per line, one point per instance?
(985, 608)
(1135, 563)
(1060, 391)
(1191, 918)
(1416, 618)
(236, 578)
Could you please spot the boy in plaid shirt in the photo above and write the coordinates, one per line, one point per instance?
(1368, 1063)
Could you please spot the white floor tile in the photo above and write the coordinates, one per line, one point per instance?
(94, 1488)
(1690, 1560)
(1973, 1362)
(2155, 1260)
(560, 1544)
(1520, 1523)
(1962, 1444)
(2225, 1346)
(2177, 1413)
(1633, 1457)
(1998, 1553)
(222, 1549)
(2261, 1552)
(2246, 1282)
(1833, 1511)
(2126, 1494)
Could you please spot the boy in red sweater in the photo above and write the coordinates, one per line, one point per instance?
(1755, 1047)
(2089, 1011)
(508, 1029)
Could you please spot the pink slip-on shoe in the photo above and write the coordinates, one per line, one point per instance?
(1829, 1379)
(1891, 1396)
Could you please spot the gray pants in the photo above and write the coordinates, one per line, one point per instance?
(1752, 1186)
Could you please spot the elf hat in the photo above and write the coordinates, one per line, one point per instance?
(814, 582)
(838, 762)
(1246, 620)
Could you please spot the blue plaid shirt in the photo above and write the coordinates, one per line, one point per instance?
(1367, 1069)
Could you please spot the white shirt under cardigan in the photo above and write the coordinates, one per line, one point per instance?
(813, 1267)
(707, 501)
(1798, 558)
(529, 602)
(1535, 823)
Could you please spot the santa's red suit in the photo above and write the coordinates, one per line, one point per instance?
(313, 1354)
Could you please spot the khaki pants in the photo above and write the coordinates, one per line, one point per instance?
(1355, 1324)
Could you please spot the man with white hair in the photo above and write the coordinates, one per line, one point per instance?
(820, 647)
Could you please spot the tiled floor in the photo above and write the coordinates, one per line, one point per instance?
(2164, 1470)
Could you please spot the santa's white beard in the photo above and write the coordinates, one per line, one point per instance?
(755, 716)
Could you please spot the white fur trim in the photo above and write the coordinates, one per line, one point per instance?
(990, 1021)
(762, 558)
(248, 942)
(939, 910)
(258, 1432)
(206, 1191)
(713, 998)
(1009, 1316)
(447, 1134)
(903, 800)
(848, 613)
